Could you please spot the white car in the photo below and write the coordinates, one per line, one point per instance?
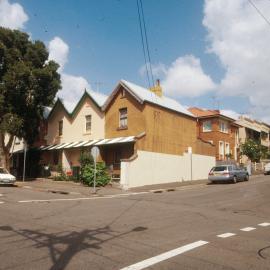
(6, 177)
(267, 168)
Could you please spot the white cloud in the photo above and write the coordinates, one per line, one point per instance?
(72, 86)
(12, 16)
(240, 38)
(185, 77)
(159, 70)
(58, 51)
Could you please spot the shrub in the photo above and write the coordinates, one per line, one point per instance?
(102, 176)
(86, 159)
(62, 176)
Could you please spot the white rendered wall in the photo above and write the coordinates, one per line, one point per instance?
(151, 168)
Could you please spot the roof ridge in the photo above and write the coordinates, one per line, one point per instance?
(164, 101)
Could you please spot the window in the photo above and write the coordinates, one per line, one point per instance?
(207, 126)
(88, 123)
(60, 128)
(123, 118)
(223, 126)
(227, 149)
(221, 149)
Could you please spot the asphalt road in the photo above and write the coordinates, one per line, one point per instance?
(197, 227)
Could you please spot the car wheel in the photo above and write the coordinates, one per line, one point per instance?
(234, 180)
(247, 177)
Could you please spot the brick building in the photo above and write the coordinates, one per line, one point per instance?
(220, 130)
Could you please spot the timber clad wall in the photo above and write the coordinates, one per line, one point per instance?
(166, 131)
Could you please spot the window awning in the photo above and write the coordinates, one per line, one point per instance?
(118, 140)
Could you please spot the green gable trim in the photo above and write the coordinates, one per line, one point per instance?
(77, 107)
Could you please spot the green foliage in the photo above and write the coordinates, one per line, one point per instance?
(253, 150)
(28, 83)
(102, 176)
(265, 152)
(61, 174)
(86, 159)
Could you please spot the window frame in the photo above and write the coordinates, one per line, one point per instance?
(204, 128)
(225, 149)
(87, 122)
(223, 126)
(222, 154)
(123, 118)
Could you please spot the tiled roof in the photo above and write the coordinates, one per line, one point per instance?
(198, 112)
(204, 113)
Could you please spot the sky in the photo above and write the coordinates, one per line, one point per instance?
(207, 53)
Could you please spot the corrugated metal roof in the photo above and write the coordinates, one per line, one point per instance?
(163, 101)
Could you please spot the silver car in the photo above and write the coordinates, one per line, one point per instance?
(230, 173)
(6, 177)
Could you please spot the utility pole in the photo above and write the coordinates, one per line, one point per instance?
(24, 160)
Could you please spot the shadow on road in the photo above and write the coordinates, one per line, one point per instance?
(64, 246)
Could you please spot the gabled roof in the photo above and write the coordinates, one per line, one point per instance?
(145, 95)
(71, 108)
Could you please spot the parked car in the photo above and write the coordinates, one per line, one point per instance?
(267, 168)
(229, 173)
(6, 177)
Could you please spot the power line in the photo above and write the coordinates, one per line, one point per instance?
(147, 44)
(143, 46)
(259, 12)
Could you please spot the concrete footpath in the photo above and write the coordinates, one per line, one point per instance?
(72, 188)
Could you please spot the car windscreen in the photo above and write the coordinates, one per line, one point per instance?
(3, 171)
(219, 169)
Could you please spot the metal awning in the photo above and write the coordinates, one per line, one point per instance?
(118, 140)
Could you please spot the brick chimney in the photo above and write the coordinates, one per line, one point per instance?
(157, 89)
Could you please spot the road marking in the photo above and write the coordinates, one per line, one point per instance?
(84, 198)
(1, 195)
(248, 229)
(164, 256)
(264, 224)
(1, 202)
(226, 235)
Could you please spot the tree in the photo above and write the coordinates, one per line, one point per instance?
(253, 150)
(28, 83)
